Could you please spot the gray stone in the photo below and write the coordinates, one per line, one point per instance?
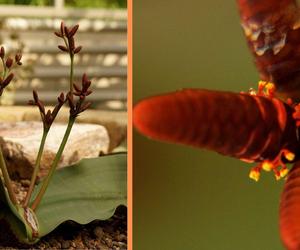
(20, 142)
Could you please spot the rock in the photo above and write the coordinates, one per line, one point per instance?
(65, 244)
(25, 183)
(109, 242)
(114, 121)
(20, 142)
(98, 231)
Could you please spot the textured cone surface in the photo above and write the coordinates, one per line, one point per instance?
(290, 210)
(229, 123)
(273, 34)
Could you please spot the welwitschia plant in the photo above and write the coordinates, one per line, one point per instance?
(33, 218)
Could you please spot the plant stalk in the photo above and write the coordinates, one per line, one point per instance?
(71, 72)
(4, 69)
(7, 180)
(58, 155)
(36, 167)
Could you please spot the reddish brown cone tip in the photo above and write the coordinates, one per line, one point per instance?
(154, 117)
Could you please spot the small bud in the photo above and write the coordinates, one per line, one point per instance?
(63, 48)
(2, 52)
(77, 50)
(76, 87)
(41, 106)
(62, 28)
(7, 80)
(31, 102)
(88, 92)
(77, 93)
(58, 34)
(85, 106)
(18, 58)
(61, 98)
(67, 32)
(73, 30)
(9, 62)
(84, 78)
(86, 85)
(35, 95)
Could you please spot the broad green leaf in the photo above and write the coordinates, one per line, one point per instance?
(15, 216)
(91, 189)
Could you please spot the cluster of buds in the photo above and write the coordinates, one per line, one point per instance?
(82, 92)
(7, 63)
(277, 165)
(67, 34)
(266, 89)
(49, 116)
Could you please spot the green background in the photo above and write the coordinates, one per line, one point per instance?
(186, 198)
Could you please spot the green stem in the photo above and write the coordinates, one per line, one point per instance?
(46, 181)
(71, 72)
(7, 180)
(4, 69)
(36, 167)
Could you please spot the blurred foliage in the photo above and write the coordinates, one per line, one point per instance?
(97, 3)
(72, 3)
(28, 2)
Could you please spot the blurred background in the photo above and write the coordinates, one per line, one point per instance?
(186, 198)
(28, 26)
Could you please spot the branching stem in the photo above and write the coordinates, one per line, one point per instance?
(36, 168)
(58, 155)
(71, 72)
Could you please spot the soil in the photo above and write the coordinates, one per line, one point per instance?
(110, 234)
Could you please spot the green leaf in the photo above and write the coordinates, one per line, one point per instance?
(91, 189)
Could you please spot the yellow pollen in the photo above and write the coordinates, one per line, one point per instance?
(270, 89)
(289, 156)
(262, 84)
(267, 166)
(254, 175)
(277, 176)
(283, 172)
(270, 86)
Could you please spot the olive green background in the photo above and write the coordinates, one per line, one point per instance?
(186, 198)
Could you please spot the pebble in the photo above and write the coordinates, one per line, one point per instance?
(98, 231)
(109, 229)
(65, 244)
(120, 237)
(53, 242)
(25, 183)
(109, 242)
